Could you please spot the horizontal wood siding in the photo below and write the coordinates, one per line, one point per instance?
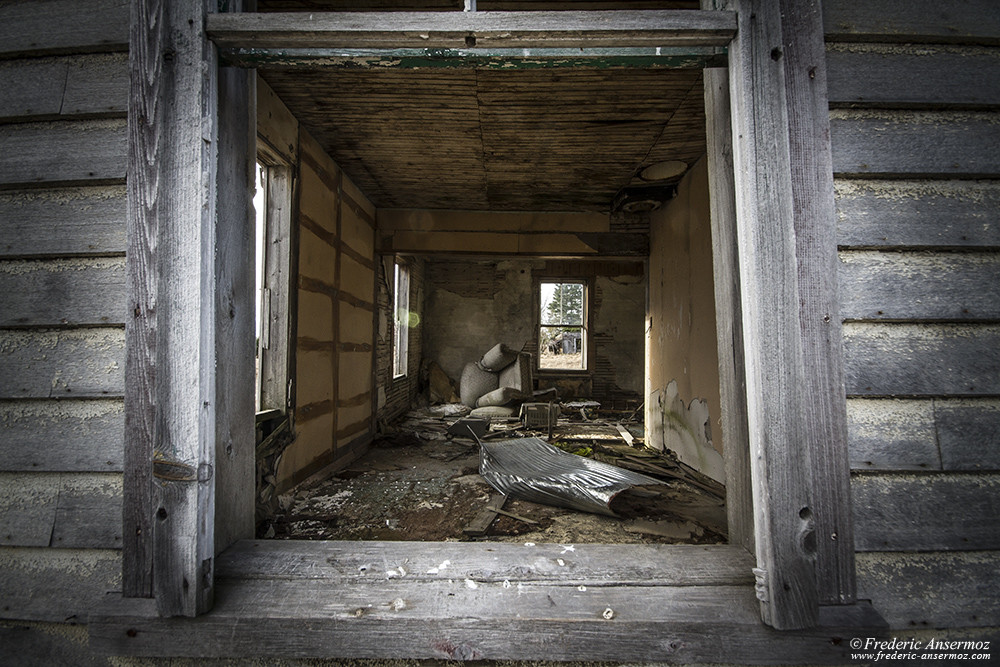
(63, 72)
(915, 96)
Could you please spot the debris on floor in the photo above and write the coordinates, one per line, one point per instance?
(420, 480)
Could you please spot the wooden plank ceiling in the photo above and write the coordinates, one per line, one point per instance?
(487, 139)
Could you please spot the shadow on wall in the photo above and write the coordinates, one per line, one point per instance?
(687, 431)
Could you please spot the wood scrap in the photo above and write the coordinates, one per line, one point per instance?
(482, 521)
(626, 436)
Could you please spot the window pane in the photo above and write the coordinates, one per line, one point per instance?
(561, 347)
(562, 303)
(401, 334)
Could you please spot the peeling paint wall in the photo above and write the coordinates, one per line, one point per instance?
(682, 357)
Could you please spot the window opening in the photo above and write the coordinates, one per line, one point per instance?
(261, 300)
(401, 308)
(562, 330)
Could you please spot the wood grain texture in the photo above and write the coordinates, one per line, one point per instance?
(913, 144)
(803, 55)
(728, 310)
(968, 433)
(81, 363)
(72, 221)
(235, 462)
(43, 644)
(935, 590)
(907, 76)
(785, 545)
(57, 152)
(970, 22)
(892, 434)
(58, 585)
(60, 510)
(927, 286)
(918, 214)
(68, 435)
(585, 564)
(54, 26)
(921, 360)
(492, 29)
(932, 512)
(58, 293)
(62, 87)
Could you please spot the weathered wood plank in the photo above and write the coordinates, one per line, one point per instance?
(583, 564)
(67, 435)
(235, 462)
(908, 76)
(770, 286)
(80, 363)
(55, 152)
(54, 26)
(728, 309)
(908, 143)
(277, 128)
(60, 510)
(38, 644)
(889, 434)
(608, 623)
(968, 434)
(969, 22)
(909, 286)
(935, 590)
(905, 512)
(467, 29)
(803, 55)
(507, 221)
(65, 86)
(63, 292)
(74, 221)
(59, 585)
(921, 360)
(916, 214)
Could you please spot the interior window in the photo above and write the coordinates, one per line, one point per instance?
(401, 308)
(562, 332)
(261, 300)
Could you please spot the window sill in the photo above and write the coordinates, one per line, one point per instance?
(472, 601)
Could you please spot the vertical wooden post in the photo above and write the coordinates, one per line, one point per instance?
(769, 282)
(804, 60)
(172, 282)
(728, 309)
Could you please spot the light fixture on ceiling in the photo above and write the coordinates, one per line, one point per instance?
(662, 171)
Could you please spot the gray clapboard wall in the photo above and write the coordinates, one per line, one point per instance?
(63, 137)
(915, 122)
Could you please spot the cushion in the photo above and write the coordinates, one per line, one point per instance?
(494, 411)
(499, 357)
(500, 396)
(476, 382)
(518, 375)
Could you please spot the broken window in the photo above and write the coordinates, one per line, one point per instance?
(562, 329)
(401, 329)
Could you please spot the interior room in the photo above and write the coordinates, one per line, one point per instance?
(415, 224)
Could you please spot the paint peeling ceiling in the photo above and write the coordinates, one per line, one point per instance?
(495, 139)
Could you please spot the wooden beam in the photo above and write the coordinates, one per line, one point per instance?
(766, 231)
(439, 220)
(171, 394)
(681, 57)
(803, 55)
(462, 30)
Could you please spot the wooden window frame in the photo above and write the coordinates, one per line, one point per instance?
(772, 210)
(400, 268)
(588, 288)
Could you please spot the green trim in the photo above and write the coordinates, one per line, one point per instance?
(506, 59)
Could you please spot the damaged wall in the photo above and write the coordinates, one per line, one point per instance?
(682, 407)
(335, 318)
(474, 304)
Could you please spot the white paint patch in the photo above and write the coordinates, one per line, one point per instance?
(469, 583)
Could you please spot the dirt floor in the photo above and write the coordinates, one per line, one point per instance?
(421, 483)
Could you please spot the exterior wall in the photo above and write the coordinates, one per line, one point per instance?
(474, 304)
(683, 404)
(914, 97)
(63, 142)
